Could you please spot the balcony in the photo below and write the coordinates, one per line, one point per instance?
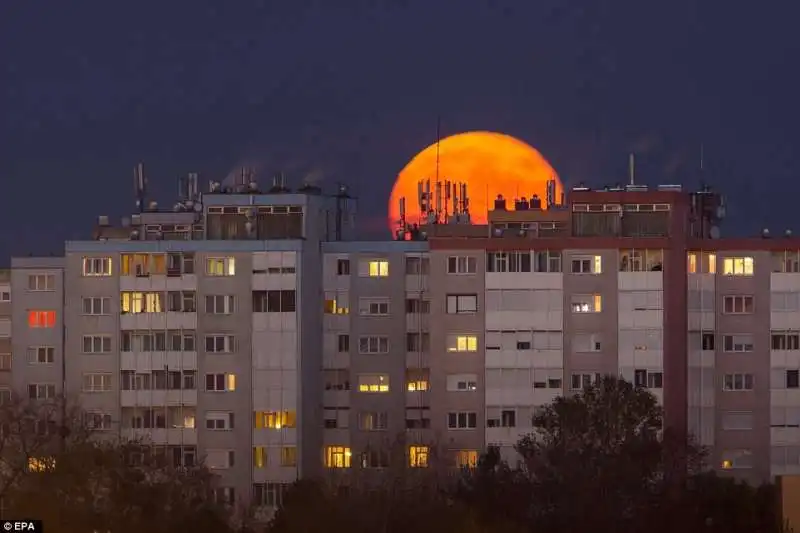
(274, 321)
(157, 398)
(158, 282)
(263, 281)
(149, 361)
(171, 436)
(146, 321)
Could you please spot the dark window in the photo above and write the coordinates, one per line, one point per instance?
(344, 343)
(343, 267)
(792, 379)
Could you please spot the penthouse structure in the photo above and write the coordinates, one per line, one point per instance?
(249, 329)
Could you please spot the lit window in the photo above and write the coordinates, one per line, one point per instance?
(141, 302)
(418, 456)
(336, 307)
(289, 456)
(275, 419)
(466, 458)
(691, 263)
(712, 263)
(375, 268)
(96, 266)
(587, 303)
(41, 464)
(220, 382)
(41, 319)
(135, 265)
(259, 456)
(373, 383)
(417, 385)
(462, 343)
(737, 266)
(587, 265)
(221, 266)
(337, 456)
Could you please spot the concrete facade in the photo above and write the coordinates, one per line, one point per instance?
(271, 359)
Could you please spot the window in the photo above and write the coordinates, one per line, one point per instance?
(418, 342)
(701, 263)
(785, 340)
(508, 418)
(220, 343)
(343, 267)
(274, 419)
(792, 379)
(462, 343)
(466, 458)
(462, 382)
(737, 343)
(343, 343)
(142, 265)
(269, 494)
(180, 263)
(221, 266)
(641, 260)
(586, 342)
(374, 268)
(418, 306)
(462, 265)
(373, 344)
(181, 302)
(587, 303)
(373, 306)
(220, 421)
(418, 456)
(516, 262)
(374, 458)
(373, 421)
(289, 456)
(98, 421)
(219, 459)
(373, 383)
(458, 304)
(41, 391)
(737, 420)
(41, 282)
(41, 464)
(5, 296)
(648, 379)
(463, 420)
(259, 456)
(41, 319)
(96, 382)
(548, 378)
(417, 266)
(179, 341)
(737, 266)
(580, 381)
(337, 456)
(737, 305)
(592, 264)
(96, 344)
(96, 266)
(5, 362)
(336, 303)
(737, 459)
(41, 355)
(142, 302)
(220, 382)
(225, 496)
(737, 382)
(276, 301)
(96, 306)
(417, 379)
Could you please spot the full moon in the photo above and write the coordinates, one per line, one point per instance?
(490, 164)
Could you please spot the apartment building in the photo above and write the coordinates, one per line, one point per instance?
(5, 334)
(250, 331)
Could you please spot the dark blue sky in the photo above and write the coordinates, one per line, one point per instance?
(350, 90)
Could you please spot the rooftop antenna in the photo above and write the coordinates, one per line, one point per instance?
(437, 185)
(702, 158)
(631, 168)
(140, 186)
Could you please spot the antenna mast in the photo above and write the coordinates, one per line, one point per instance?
(631, 168)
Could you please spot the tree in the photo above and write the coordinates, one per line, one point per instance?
(597, 459)
(63, 472)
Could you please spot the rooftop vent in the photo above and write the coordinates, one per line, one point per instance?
(668, 187)
(102, 220)
(636, 188)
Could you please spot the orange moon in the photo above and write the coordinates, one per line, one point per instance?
(488, 163)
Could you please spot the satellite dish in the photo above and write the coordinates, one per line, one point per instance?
(714, 232)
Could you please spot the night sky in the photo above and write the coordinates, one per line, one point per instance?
(348, 91)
